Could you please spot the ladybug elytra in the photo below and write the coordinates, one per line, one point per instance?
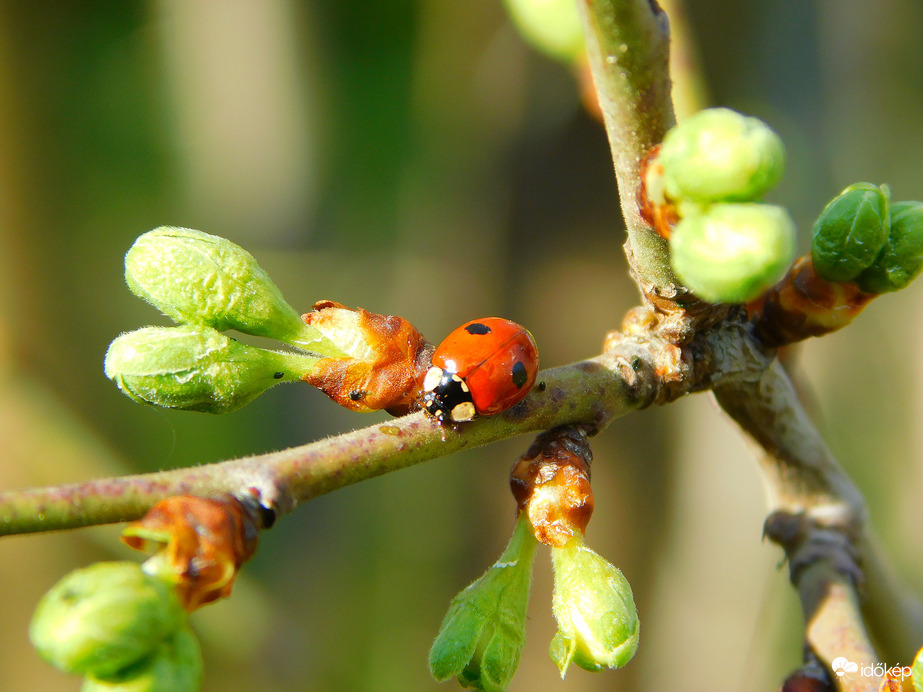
(482, 368)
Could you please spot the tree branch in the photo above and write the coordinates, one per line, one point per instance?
(590, 393)
(819, 520)
(628, 46)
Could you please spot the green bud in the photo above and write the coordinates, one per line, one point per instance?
(196, 368)
(598, 624)
(175, 666)
(916, 671)
(105, 617)
(202, 279)
(850, 232)
(483, 632)
(901, 259)
(731, 253)
(551, 26)
(720, 155)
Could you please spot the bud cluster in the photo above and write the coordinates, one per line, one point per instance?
(862, 236)
(209, 285)
(702, 190)
(119, 627)
(482, 635)
(863, 245)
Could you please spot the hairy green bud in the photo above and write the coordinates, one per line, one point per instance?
(916, 671)
(901, 258)
(850, 232)
(598, 624)
(720, 155)
(202, 279)
(197, 368)
(103, 618)
(552, 26)
(482, 634)
(175, 666)
(731, 253)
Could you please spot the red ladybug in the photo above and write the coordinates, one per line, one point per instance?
(483, 367)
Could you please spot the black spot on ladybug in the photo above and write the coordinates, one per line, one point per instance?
(520, 376)
(476, 328)
(278, 375)
(355, 395)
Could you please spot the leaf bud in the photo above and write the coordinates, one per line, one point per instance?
(203, 279)
(850, 232)
(100, 619)
(901, 258)
(720, 155)
(175, 666)
(196, 368)
(598, 624)
(551, 26)
(483, 632)
(731, 253)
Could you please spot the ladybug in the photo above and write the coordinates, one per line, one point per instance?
(482, 368)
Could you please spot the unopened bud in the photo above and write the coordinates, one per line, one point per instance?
(196, 368)
(203, 279)
(103, 618)
(720, 155)
(598, 624)
(175, 666)
(482, 635)
(731, 253)
(552, 26)
(901, 258)
(850, 232)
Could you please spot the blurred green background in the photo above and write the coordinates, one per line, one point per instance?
(417, 158)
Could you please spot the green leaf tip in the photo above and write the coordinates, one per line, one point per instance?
(483, 632)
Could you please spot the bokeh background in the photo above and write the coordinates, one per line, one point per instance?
(417, 158)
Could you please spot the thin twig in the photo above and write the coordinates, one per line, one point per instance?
(590, 393)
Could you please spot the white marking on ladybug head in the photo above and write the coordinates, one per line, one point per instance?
(463, 412)
(433, 375)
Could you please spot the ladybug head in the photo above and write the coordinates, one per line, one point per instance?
(446, 397)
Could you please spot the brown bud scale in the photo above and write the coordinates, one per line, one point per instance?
(803, 305)
(202, 541)
(551, 484)
(389, 377)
